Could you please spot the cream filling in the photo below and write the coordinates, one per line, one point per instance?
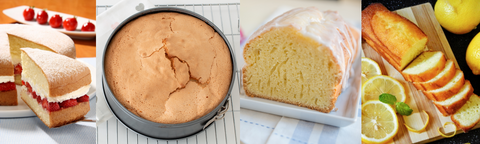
(4, 79)
(72, 95)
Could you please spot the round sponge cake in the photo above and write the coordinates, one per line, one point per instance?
(168, 67)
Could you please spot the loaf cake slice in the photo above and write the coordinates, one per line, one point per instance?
(469, 115)
(38, 38)
(8, 90)
(440, 80)
(425, 67)
(452, 104)
(450, 89)
(402, 39)
(55, 86)
(302, 57)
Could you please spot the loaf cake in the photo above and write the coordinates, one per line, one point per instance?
(469, 115)
(455, 102)
(440, 80)
(39, 38)
(397, 39)
(8, 90)
(55, 86)
(302, 57)
(168, 67)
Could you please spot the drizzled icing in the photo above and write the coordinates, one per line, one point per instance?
(327, 28)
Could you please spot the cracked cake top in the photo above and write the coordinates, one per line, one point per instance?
(168, 67)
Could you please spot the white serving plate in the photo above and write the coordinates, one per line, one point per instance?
(16, 13)
(22, 110)
(345, 112)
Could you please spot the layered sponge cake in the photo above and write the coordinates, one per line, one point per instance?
(38, 38)
(55, 86)
(168, 67)
(302, 57)
(8, 90)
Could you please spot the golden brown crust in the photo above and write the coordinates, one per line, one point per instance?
(69, 115)
(370, 37)
(426, 75)
(168, 67)
(333, 98)
(443, 95)
(58, 118)
(431, 85)
(69, 85)
(452, 108)
(8, 98)
(465, 128)
(6, 70)
(384, 41)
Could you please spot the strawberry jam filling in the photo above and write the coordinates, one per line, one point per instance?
(7, 86)
(18, 69)
(54, 106)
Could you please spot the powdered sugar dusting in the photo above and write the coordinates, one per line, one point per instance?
(5, 58)
(55, 66)
(52, 39)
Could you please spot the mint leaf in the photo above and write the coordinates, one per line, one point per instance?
(403, 108)
(387, 98)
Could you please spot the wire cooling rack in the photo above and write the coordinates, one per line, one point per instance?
(226, 16)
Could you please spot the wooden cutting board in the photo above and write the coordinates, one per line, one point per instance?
(424, 17)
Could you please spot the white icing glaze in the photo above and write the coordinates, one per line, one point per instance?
(327, 28)
(4, 79)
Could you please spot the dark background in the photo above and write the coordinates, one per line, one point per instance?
(459, 44)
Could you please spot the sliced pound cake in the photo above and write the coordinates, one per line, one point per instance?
(469, 115)
(425, 67)
(447, 91)
(302, 57)
(451, 105)
(439, 80)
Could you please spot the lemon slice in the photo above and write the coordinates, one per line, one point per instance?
(423, 128)
(370, 68)
(379, 122)
(377, 85)
(448, 136)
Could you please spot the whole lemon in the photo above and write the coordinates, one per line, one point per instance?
(473, 55)
(458, 16)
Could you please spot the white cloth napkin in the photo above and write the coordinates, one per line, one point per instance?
(107, 21)
(258, 127)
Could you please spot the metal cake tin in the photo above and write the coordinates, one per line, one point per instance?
(153, 129)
